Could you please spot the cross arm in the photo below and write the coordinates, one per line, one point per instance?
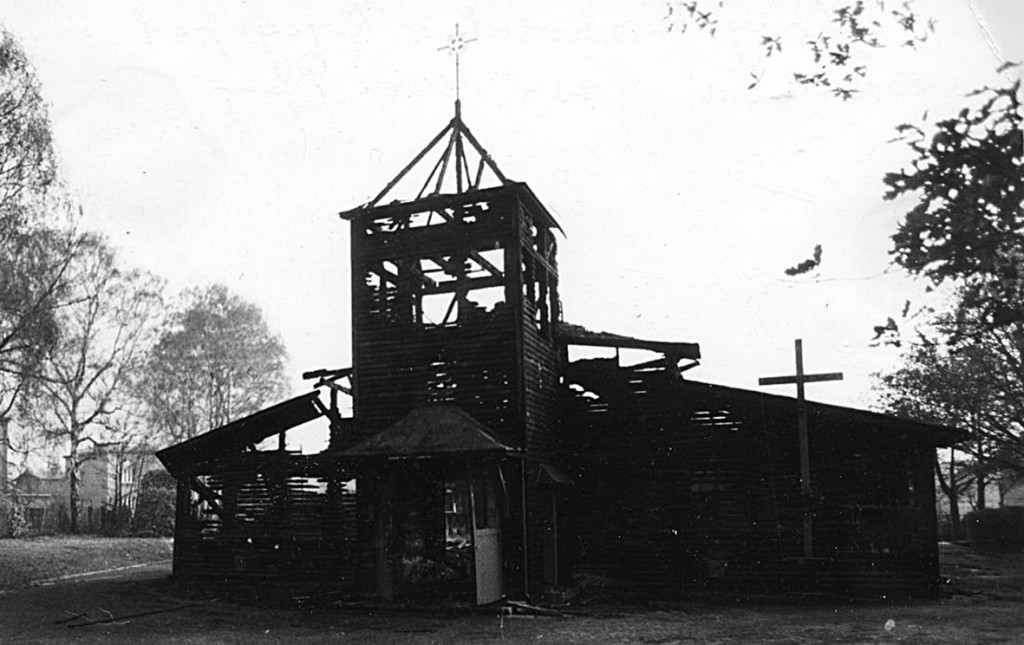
(805, 378)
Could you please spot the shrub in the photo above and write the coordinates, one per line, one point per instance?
(13, 523)
(18, 521)
(158, 478)
(116, 521)
(154, 514)
(996, 529)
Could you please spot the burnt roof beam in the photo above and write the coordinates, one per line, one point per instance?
(412, 164)
(465, 285)
(674, 350)
(483, 153)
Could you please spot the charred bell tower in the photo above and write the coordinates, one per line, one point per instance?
(455, 296)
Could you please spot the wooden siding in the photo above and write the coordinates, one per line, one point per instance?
(282, 519)
(679, 492)
(501, 366)
(407, 368)
(403, 363)
(540, 354)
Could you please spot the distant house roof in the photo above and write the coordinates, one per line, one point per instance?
(579, 335)
(30, 484)
(103, 451)
(429, 431)
(29, 475)
(243, 432)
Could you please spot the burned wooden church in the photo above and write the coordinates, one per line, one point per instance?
(481, 460)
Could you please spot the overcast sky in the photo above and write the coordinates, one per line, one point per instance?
(215, 142)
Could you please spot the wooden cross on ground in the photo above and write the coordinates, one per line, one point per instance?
(801, 418)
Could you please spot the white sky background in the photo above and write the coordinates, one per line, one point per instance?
(215, 142)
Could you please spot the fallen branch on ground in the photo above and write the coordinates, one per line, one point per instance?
(113, 619)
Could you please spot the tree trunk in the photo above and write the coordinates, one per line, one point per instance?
(74, 485)
(4, 498)
(118, 477)
(980, 465)
(3, 458)
(954, 515)
(951, 489)
(954, 498)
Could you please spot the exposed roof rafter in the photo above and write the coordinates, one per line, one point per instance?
(451, 172)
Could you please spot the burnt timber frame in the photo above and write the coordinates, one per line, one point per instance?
(693, 489)
(660, 485)
(485, 259)
(246, 515)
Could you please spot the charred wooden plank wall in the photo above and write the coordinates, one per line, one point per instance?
(683, 489)
(540, 363)
(402, 360)
(498, 361)
(267, 517)
(540, 309)
(662, 502)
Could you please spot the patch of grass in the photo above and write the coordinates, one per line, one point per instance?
(153, 609)
(971, 572)
(24, 561)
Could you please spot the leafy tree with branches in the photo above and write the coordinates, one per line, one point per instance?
(32, 257)
(216, 361)
(967, 386)
(27, 162)
(102, 332)
(36, 242)
(833, 55)
(965, 228)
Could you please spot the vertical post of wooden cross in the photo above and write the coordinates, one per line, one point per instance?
(801, 419)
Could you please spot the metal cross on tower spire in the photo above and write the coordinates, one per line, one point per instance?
(463, 162)
(455, 46)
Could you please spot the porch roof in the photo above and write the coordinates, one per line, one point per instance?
(429, 431)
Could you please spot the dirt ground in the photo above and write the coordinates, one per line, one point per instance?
(982, 604)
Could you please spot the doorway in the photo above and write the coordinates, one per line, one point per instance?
(439, 534)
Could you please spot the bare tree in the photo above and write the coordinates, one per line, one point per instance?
(132, 444)
(102, 333)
